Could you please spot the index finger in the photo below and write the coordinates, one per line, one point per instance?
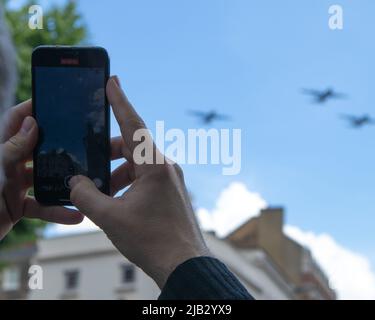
(127, 118)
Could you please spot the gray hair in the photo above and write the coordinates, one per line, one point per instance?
(8, 67)
(8, 76)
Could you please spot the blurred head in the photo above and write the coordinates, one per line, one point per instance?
(7, 67)
(8, 74)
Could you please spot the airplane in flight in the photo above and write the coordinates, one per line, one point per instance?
(358, 122)
(209, 117)
(322, 96)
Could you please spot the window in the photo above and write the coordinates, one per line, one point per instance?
(11, 279)
(71, 279)
(128, 273)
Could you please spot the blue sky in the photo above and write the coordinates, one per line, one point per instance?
(250, 59)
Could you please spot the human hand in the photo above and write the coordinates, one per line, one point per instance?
(152, 223)
(19, 139)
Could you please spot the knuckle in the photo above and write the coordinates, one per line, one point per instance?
(15, 147)
(161, 172)
(167, 172)
(134, 122)
(15, 142)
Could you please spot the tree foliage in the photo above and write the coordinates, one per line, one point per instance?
(61, 26)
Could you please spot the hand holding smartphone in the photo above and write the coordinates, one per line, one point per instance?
(72, 112)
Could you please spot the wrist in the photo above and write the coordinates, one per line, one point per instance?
(162, 272)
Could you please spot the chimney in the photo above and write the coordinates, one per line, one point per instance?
(270, 232)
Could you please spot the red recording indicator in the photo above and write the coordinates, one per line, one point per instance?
(69, 61)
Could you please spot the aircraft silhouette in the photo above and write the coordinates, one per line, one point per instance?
(359, 121)
(322, 96)
(209, 117)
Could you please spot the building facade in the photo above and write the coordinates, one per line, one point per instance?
(87, 266)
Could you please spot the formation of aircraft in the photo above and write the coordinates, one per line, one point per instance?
(319, 96)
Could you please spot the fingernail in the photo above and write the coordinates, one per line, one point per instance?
(117, 80)
(73, 182)
(27, 125)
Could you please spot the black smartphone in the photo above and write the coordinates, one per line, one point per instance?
(72, 112)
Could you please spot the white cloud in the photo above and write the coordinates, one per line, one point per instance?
(235, 205)
(349, 273)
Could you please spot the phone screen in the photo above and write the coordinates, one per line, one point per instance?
(70, 108)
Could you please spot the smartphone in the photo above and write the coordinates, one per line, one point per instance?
(72, 112)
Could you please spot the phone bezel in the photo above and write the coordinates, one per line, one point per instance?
(50, 56)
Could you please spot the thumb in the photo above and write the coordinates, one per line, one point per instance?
(89, 200)
(19, 147)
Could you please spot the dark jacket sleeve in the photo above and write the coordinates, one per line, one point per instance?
(203, 278)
